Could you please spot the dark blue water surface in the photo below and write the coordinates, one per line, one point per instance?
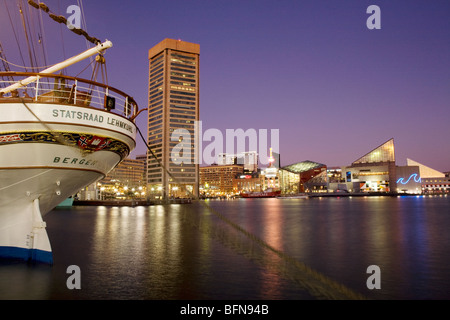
(277, 249)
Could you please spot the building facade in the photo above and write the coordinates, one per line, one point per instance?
(373, 172)
(173, 109)
(430, 180)
(436, 185)
(307, 171)
(217, 180)
(289, 182)
(248, 182)
(248, 159)
(127, 180)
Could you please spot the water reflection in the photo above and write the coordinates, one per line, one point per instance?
(16, 279)
(195, 252)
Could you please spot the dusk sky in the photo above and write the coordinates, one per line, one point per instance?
(311, 69)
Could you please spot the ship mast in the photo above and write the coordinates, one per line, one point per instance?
(59, 66)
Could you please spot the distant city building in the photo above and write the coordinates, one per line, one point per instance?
(277, 160)
(375, 171)
(248, 159)
(335, 175)
(217, 180)
(408, 179)
(143, 157)
(130, 172)
(173, 106)
(430, 181)
(127, 180)
(289, 182)
(436, 185)
(248, 182)
(307, 171)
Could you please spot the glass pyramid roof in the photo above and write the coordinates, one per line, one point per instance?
(383, 153)
(303, 166)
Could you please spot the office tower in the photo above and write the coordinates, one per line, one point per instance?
(173, 106)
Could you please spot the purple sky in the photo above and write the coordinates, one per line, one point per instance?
(312, 69)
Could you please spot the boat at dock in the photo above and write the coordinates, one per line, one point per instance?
(58, 134)
(66, 203)
(261, 194)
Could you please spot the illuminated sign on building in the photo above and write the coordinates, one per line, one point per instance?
(413, 176)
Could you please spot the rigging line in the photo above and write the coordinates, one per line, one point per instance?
(5, 66)
(15, 35)
(26, 37)
(61, 32)
(19, 66)
(317, 283)
(43, 42)
(102, 61)
(29, 18)
(4, 62)
(84, 69)
(83, 17)
(104, 72)
(94, 73)
(80, 4)
(157, 160)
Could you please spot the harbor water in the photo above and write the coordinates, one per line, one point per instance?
(244, 249)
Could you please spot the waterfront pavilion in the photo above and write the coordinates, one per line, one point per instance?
(307, 171)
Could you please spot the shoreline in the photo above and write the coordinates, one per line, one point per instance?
(127, 203)
(133, 203)
(362, 194)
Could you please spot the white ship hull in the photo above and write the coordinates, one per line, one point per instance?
(49, 152)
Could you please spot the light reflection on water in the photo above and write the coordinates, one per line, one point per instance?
(187, 252)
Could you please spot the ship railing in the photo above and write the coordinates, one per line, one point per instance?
(61, 89)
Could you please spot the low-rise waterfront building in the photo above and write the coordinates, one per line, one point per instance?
(289, 182)
(248, 182)
(217, 180)
(431, 180)
(126, 181)
(308, 172)
(373, 172)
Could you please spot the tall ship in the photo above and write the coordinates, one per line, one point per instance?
(58, 134)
